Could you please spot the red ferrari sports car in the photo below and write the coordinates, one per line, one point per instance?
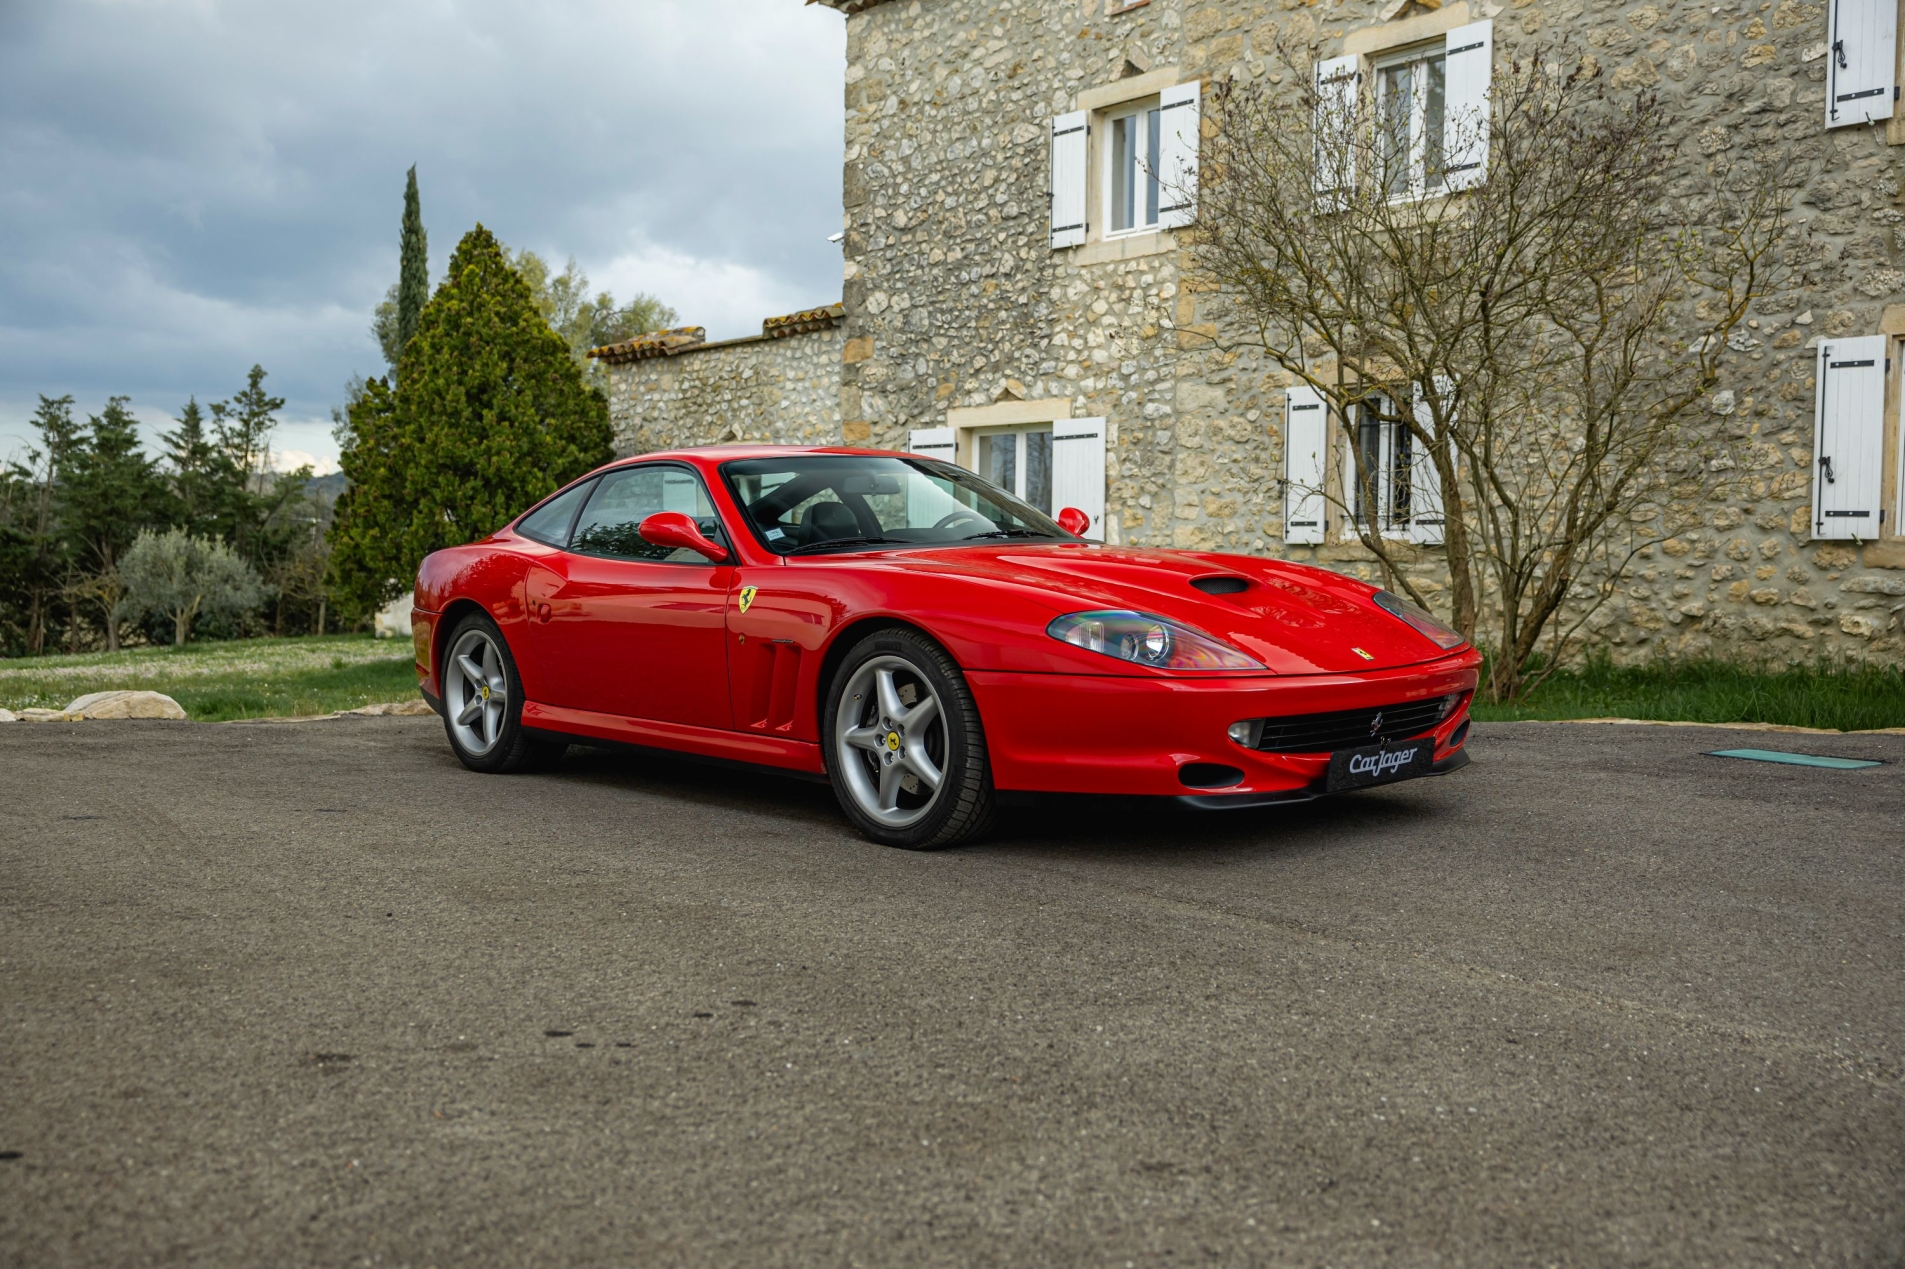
(924, 641)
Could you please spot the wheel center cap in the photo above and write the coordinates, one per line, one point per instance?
(893, 741)
(484, 690)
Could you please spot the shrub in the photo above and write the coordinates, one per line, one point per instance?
(181, 577)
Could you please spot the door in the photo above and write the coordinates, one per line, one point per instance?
(620, 626)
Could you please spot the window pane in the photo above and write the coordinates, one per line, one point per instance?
(1368, 467)
(999, 460)
(1434, 107)
(1124, 162)
(1038, 470)
(1401, 465)
(549, 523)
(611, 523)
(1151, 130)
(1397, 89)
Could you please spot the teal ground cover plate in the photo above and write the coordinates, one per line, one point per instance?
(1794, 759)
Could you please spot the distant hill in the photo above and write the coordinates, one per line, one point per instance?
(327, 488)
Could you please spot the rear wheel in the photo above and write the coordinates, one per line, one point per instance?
(483, 701)
(904, 747)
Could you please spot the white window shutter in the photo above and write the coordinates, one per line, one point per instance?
(1078, 470)
(1069, 135)
(1849, 438)
(1469, 69)
(1861, 61)
(1180, 122)
(1337, 90)
(933, 442)
(1305, 440)
(1425, 483)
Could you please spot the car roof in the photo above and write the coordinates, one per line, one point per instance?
(710, 455)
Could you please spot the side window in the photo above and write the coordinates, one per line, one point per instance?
(611, 524)
(549, 524)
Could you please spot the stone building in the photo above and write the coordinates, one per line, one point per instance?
(1015, 294)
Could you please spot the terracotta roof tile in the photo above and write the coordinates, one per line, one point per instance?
(654, 343)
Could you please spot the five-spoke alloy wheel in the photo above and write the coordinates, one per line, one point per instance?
(904, 746)
(483, 700)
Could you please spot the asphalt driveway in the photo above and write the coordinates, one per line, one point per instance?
(311, 993)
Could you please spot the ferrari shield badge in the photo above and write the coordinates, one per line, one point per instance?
(747, 597)
(1358, 651)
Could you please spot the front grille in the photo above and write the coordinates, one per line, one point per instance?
(1346, 729)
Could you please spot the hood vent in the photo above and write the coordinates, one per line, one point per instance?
(1221, 585)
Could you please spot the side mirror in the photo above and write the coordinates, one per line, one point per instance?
(1074, 521)
(673, 528)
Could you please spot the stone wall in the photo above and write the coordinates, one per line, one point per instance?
(954, 299)
(777, 387)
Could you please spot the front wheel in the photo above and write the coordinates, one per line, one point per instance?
(904, 747)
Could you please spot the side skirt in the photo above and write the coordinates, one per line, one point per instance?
(581, 726)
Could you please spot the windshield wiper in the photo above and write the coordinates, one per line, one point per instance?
(1005, 533)
(834, 543)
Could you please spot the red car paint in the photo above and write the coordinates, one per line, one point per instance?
(662, 655)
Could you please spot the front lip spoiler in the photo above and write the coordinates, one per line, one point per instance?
(1309, 793)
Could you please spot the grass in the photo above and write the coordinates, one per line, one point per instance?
(1850, 698)
(214, 682)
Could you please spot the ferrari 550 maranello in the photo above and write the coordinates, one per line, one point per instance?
(924, 641)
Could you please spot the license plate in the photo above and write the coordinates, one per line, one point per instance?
(1380, 764)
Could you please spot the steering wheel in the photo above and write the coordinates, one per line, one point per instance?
(956, 517)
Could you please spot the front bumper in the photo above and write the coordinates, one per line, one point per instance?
(1123, 734)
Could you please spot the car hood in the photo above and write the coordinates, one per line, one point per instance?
(1294, 618)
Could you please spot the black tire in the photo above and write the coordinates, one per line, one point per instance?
(962, 805)
(510, 748)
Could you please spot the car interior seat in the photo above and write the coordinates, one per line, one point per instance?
(831, 520)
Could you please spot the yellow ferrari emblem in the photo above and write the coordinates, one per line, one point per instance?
(893, 741)
(485, 690)
(747, 597)
(1364, 655)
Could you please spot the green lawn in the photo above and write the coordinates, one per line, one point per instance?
(1845, 699)
(243, 678)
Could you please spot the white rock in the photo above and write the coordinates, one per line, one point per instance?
(8, 716)
(399, 709)
(393, 619)
(122, 704)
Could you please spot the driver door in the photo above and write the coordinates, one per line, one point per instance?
(625, 627)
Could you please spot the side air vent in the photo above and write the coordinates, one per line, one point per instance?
(1220, 585)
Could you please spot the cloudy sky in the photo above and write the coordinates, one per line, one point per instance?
(191, 186)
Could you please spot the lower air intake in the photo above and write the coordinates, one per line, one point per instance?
(1345, 729)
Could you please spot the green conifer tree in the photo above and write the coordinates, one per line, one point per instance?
(201, 478)
(107, 493)
(413, 279)
(489, 415)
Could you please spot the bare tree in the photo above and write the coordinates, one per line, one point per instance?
(1535, 301)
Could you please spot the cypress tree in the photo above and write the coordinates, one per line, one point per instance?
(490, 414)
(413, 279)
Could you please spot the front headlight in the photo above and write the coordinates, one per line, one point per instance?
(1420, 621)
(1146, 640)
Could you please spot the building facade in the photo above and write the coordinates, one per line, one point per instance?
(1016, 296)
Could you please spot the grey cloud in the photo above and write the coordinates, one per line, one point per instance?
(187, 188)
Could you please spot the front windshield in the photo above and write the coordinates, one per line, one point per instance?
(814, 503)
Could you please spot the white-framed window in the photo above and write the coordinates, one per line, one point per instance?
(1019, 461)
(1390, 483)
(1412, 113)
(1431, 126)
(1126, 168)
(1130, 162)
(1051, 465)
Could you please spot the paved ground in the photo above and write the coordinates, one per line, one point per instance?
(284, 994)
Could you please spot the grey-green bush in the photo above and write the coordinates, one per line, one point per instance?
(181, 577)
